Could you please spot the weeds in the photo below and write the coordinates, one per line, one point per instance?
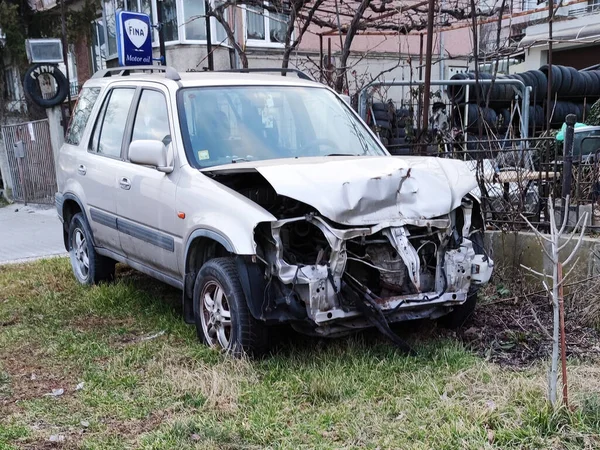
(172, 392)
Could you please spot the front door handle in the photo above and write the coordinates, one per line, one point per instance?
(81, 169)
(125, 183)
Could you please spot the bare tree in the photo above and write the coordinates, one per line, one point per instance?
(347, 19)
(555, 290)
(297, 7)
(219, 11)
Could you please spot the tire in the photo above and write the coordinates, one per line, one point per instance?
(503, 118)
(398, 141)
(577, 83)
(476, 115)
(384, 124)
(556, 77)
(457, 92)
(461, 314)
(382, 115)
(567, 81)
(31, 86)
(246, 335)
(380, 106)
(529, 80)
(98, 268)
(594, 90)
(542, 85)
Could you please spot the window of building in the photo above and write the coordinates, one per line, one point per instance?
(110, 126)
(264, 27)
(183, 21)
(194, 23)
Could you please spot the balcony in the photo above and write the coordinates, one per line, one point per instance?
(589, 9)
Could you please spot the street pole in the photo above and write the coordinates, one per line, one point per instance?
(211, 62)
(549, 93)
(428, 55)
(63, 25)
(161, 33)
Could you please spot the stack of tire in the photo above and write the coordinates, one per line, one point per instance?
(570, 87)
(391, 124)
(498, 93)
(573, 92)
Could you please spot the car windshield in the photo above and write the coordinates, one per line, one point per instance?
(250, 123)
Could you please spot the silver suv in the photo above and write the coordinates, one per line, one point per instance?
(266, 200)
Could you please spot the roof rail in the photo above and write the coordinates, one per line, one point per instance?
(170, 72)
(299, 73)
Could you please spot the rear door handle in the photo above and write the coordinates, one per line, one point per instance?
(125, 183)
(81, 169)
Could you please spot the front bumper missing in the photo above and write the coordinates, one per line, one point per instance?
(396, 304)
(319, 285)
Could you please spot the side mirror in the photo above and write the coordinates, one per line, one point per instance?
(150, 153)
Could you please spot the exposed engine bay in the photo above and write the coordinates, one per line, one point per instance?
(320, 274)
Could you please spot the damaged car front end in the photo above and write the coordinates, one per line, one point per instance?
(382, 240)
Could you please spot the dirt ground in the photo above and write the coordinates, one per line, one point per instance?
(516, 331)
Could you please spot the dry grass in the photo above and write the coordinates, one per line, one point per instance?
(172, 392)
(584, 300)
(219, 384)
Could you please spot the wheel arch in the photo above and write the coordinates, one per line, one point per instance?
(202, 245)
(71, 205)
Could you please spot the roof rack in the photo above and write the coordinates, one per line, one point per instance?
(170, 72)
(299, 73)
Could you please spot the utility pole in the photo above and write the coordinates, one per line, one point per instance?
(549, 93)
(161, 33)
(428, 54)
(211, 62)
(63, 25)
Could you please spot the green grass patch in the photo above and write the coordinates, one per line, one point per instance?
(172, 392)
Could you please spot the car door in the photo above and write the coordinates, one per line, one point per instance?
(98, 168)
(149, 228)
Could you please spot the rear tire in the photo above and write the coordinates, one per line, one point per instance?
(88, 266)
(221, 313)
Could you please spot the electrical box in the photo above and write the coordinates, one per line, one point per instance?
(44, 50)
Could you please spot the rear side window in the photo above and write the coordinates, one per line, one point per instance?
(83, 110)
(112, 120)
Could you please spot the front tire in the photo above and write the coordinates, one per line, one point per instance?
(221, 313)
(456, 318)
(88, 266)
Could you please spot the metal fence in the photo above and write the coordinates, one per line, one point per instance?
(517, 178)
(31, 161)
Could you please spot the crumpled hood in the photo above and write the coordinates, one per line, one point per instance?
(368, 190)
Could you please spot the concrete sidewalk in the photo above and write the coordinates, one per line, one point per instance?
(29, 232)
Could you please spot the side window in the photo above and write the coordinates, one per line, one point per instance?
(110, 126)
(85, 104)
(152, 118)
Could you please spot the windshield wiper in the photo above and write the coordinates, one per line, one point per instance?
(236, 159)
(342, 154)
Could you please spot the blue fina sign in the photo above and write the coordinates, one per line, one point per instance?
(134, 41)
